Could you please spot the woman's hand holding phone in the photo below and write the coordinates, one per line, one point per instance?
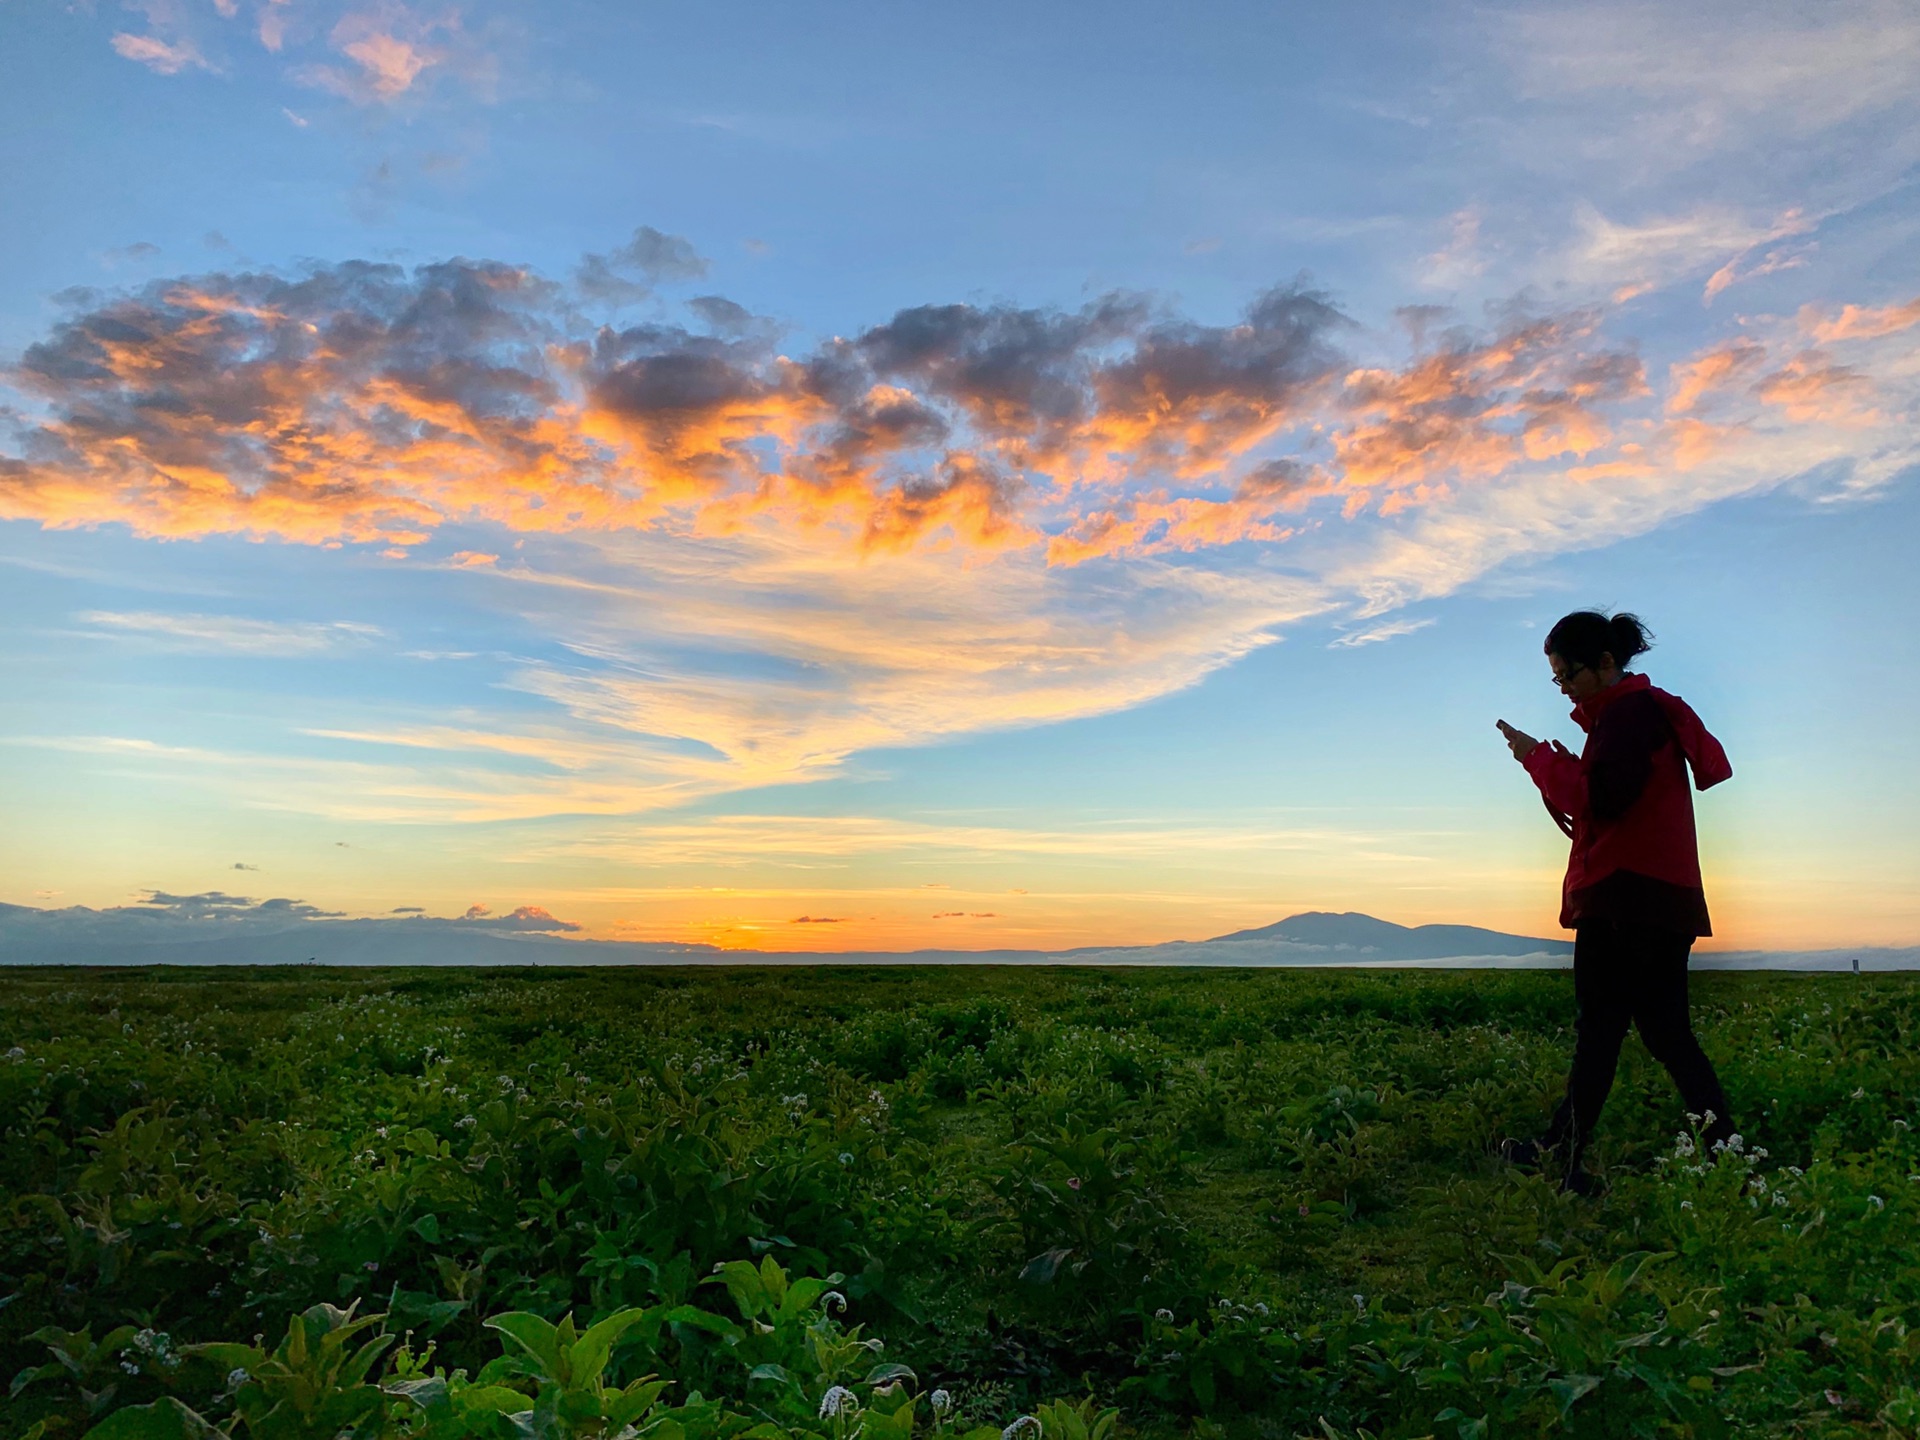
(1518, 741)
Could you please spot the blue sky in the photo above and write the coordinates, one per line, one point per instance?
(979, 478)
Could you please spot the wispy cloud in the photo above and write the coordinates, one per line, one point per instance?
(1694, 144)
(1627, 258)
(1714, 73)
(1375, 634)
(160, 56)
(232, 634)
(137, 253)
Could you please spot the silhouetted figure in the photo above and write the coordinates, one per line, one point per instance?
(1632, 895)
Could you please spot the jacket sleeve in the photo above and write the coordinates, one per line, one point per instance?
(1556, 770)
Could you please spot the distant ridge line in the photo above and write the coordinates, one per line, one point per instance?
(135, 936)
(1384, 940)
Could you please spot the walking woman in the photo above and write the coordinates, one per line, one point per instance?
(1632, 895)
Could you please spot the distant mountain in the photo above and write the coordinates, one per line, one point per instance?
(218, 929)
(1364, 938)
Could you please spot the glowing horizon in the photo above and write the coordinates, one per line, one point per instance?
(452, 479)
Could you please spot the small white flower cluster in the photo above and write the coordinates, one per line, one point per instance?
(1027, 1427)
(151, 1346)
(838, 1401)
(16, 1054)
(942, 1403)
(1236, 1310)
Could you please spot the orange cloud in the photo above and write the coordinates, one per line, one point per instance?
(1154, 525)
(1706, 374)
(359, 404)
(1812, 390)
(1858, 322)
(1475, 410)
(363, 404)
(388, 64)
(390, 48)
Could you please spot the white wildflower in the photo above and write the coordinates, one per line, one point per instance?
(1164, 1315)
(1686, 1204)
(16, 1054)
(237, 1377)
(836, 1300)
(838, 1401)
(1876, 1202)
(942, 1403)
(1026, 1425)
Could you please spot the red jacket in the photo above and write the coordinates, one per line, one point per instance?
(1625, 802)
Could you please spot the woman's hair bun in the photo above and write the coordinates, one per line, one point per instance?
(1630, 638)
(1585, 635)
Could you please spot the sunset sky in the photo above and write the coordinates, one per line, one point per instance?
(866, 477)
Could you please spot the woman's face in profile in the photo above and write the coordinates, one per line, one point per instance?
(1577, 681)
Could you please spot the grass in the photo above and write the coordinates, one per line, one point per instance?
(1228, 1202)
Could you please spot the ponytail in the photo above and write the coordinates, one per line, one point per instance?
(1585, 635)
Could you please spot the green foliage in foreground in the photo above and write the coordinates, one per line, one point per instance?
(934, 1201)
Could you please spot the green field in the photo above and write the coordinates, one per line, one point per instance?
(1226, 1203)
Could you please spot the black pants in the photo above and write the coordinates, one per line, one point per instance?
(1625, 975)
